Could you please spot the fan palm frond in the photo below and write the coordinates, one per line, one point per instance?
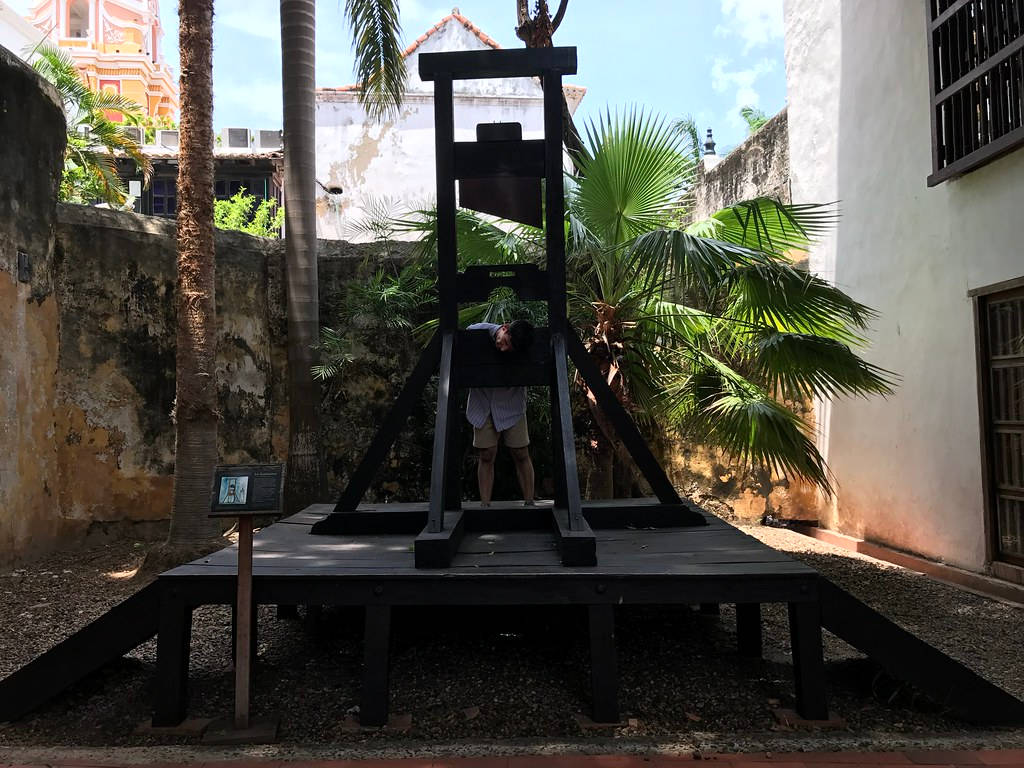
(799, 366)
(633, 174)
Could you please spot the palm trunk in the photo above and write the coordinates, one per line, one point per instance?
(298, 79)
(195, 410)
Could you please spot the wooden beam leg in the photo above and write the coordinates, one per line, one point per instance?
(392, 426)
(557, 462)
(442, 425)
(808, 660)
(373, 710)
(749, 639)
(566, 440)
(172, 651)
(604, 673)
(623, 422)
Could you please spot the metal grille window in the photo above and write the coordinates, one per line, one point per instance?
(165, 197)
(977, 82)
(1001, 317)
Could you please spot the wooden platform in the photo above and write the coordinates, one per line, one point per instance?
(707, 565)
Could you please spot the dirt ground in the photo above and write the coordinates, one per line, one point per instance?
(472, 676)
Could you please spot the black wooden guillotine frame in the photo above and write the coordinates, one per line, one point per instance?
(501, 173)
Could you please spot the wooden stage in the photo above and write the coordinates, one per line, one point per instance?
(706, 565)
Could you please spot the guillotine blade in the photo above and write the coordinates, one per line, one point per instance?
(515, 198)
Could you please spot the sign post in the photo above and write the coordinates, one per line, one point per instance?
(244, 491)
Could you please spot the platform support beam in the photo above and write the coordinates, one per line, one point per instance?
(749, 639)
(373, 709)
(173, 645)
(604, 673)
(808, 660)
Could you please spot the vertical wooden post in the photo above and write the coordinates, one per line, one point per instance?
(172, 653)
(444, 147)
(604, 673)
(243, 623)
(749, 639)
(373, 709)
(808, 660)
(442, 427)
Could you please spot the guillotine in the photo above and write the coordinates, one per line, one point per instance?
(502, 174)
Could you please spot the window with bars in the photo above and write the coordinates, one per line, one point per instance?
(977, 83)
(1001, 337)
(165, 197)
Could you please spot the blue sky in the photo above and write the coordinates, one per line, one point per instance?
(705, 58)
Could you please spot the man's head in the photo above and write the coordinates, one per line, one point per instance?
(514, 337)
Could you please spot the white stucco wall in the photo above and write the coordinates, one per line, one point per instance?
(395, 160)
(15, 32)
(908, 468)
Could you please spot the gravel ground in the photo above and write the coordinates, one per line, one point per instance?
(471, 677)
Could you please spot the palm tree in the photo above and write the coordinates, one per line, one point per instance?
(376, 33)
(94, 140)
(706, 329)
(298, 76)
(195, 409)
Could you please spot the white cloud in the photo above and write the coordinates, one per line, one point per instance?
(755, 22)
(741, 82)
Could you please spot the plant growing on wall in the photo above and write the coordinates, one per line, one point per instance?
(754, 118)
(94, 139)
(247, 213)
(151, 124)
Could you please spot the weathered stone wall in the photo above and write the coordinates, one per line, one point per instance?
(32, 139)
(757, 167)
(116, 377)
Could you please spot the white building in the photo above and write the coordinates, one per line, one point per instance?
(930, 236)
(16, 34)
(359, 161)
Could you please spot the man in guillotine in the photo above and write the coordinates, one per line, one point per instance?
(498, 414)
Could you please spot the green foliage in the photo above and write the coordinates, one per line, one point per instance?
(708, 329)
(150, 125)
(247, 213)
(380, 68)
(94, 140)
(754, 118)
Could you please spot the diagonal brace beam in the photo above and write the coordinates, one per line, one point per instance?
(623, 422)
(392, 426)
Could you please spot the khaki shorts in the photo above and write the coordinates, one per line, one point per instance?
(515, 436)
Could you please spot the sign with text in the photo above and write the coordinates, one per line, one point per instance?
(247, 488)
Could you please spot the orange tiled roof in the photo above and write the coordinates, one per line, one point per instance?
(454, 15)
(487, 40)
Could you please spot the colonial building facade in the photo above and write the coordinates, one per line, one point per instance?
(361, 164)
(919, 133)
(116, 45)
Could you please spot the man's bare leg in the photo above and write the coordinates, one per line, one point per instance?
(485, 473)
(524, 471)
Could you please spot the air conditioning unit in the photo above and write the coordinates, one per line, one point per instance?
(133, 132)
(168, 139)
(234, 138)
(269, 139)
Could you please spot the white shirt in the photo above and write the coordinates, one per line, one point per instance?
(505, 405)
